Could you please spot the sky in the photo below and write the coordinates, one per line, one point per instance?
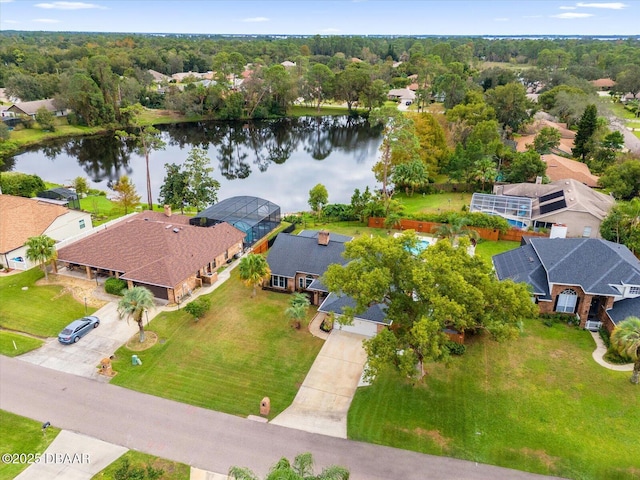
(329, 17)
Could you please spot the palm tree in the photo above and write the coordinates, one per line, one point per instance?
(41, 249)
(301, 469)
(297, 310)
(133, 303)
(254, 269)
(626, 339)
(456, 229)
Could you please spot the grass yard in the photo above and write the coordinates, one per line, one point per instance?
(243, 350)
(137, 460)
(487, 249)
(21, 435)
(41, 310)
(538, 404)
(13, 344)
(434, 203)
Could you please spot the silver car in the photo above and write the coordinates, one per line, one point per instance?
(77, 329)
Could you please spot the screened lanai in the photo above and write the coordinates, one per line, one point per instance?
(516, 210)
(253, 215)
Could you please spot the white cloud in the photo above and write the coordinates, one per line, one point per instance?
(571, 15)
(568, 8)
(46, 20)
(501, 19)
(11, 22)
(611, 6)
(255, 19)
(68, 6)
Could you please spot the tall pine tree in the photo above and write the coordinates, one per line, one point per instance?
(583, 144)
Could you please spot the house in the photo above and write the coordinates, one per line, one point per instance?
(297, 261)
(161, 252)
(22, 218)
(568, 202)
(560, 168)
(567, 137)
(288, 64)
(31, 108)
(603, 84)
(368, 323)
(597, 280)
(403, 95)
(158, 77)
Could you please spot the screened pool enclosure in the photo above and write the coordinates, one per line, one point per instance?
(252, 215)
(516, 210)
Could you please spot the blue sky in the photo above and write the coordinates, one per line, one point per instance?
(332, 17)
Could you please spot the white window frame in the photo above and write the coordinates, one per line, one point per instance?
(304, 282)
(278, 281)
(567, 301)
(586, 232)
(634, 290)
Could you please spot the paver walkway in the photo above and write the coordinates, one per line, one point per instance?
(598, 356)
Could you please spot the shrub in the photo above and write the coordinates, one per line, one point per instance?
(550, 319)
(115, 286)
(198, 307)
(605, 336)
(327, 324)
(455, 348)
(293, 219)
(612, 356)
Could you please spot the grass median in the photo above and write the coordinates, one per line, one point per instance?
(538, 404)
(244, 349)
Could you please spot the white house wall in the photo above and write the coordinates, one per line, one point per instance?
(68, 225)
(575, 223)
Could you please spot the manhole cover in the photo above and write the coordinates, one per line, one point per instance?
(162, 340)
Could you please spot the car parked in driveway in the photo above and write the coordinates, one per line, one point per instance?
(78, 329)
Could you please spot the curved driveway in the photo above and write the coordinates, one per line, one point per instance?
(203, 438)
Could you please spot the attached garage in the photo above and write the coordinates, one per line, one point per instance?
(367, 323)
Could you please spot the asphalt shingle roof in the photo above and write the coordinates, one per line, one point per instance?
(523, 265)
(336, 304)
(152, 248)
(629, 307)
(294, 253)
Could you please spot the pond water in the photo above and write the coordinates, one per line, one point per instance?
(279, 160)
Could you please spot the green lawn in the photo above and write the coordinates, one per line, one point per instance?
(487, 249)
(21, 435)
(434, 203)
(137, 460)
(243, 350)
(538, 404)
(13, 344)
(39, 310)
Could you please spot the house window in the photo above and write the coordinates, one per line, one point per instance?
(634, 290)
(567, 301)
(278, 282)
(304, 282)
(81, 223)
(586, 233)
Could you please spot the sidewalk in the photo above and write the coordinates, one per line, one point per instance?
(598, 356)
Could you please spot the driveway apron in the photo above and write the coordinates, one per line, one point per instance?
(323, 401)
(83, 358)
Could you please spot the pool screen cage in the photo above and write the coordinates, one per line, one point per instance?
(253, 215)
(516, 210)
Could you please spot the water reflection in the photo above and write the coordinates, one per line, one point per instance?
(279, 160)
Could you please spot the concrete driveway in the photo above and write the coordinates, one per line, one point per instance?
(323, 401)
(83, 358)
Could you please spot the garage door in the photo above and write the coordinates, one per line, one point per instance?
(361, 327)
(158, 292)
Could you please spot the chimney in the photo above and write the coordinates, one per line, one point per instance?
(167, 210)
(323, 237)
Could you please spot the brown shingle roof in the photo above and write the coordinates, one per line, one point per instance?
(603, 83)
(21, 218)
(152, 248)
(559, 168)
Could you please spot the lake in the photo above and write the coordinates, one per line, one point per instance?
(279, 160)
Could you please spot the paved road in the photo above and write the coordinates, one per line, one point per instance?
(203, 438)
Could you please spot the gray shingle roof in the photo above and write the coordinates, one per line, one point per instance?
(523, 265)
(592, 263)
(629, 307)
(294, 253)
(336, 304)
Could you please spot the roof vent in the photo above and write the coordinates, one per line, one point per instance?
(168, 226)
(176, 230)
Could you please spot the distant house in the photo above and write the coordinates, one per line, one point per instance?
(159, 77)
(288, 64)
(568, 202)
(22, 218)
(403, 95)
(298, 261)
(368, 323)
(161, 252)
(31, 108)
(597, 280)
(560, 168)
(567, 136)
(603, 84)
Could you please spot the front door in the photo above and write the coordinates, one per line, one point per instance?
(594, 307)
